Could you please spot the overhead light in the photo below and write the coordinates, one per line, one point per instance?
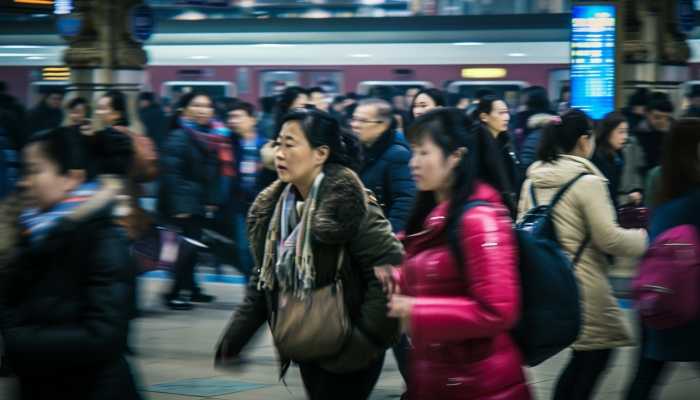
(483, 73)
(360, 55)
(191, 16)
(16, 54)
(14, 46)
(271, 45)
(35, 58)
(199, 57)
(517, 55)
(468, 44)
(371, 2)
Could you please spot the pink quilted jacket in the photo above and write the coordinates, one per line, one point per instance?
(460, 321)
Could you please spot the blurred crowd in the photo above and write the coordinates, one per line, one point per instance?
(418, 222)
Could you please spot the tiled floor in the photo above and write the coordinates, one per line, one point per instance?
(174, 360)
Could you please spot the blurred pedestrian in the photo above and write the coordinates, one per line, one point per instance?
(250, 180)
(426, 100)
(78, 112)
(291, 98)
(650, 132)
(198, 167)
(611, 136)
(586, 228)
(679, 202)
(47, 114)
(73, 256)
(491, 118)
(316, 232)
(458, 315)
(153, 118)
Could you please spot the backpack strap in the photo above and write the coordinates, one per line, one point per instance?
(532, 195)
(565, 188)
(453, 231)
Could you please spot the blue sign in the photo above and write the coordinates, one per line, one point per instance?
(68, 25)
(593, 44)
(686, 15)
(142, 22)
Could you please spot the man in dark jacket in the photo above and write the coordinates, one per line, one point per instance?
(153, 118)
(47, 114)
(650, 132)
(385, 170)
(387, 174)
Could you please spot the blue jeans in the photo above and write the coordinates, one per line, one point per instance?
(244, 260)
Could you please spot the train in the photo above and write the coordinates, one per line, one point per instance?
(251, 83)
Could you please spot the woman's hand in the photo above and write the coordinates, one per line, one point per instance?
(401, 306)
(635, 198)
(385, 275)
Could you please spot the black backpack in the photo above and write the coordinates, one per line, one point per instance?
(550, 318)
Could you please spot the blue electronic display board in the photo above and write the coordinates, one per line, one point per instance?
(593, 45)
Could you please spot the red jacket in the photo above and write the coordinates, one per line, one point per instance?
(462, 314)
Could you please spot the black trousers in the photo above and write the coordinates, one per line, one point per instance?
(401, 354)
(649, 374)
(579, 378)
(188, 254)
(323, 385)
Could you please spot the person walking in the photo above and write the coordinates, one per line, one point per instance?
(457, 313)
(586, 227)
(313, 230)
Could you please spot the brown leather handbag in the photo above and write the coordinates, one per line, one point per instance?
(316, 327)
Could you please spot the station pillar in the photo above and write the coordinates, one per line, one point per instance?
(655, 52)
(104, 56)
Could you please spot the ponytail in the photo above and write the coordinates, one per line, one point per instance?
(562, 133)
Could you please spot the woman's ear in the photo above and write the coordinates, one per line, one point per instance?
(457, 156)
(322, 153)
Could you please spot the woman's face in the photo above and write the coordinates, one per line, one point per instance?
(296, 161)
(618, 137)
(430, 168)
(104, 111)
(77, 114)
(497, 120)
(200, 110)
(300, 102)
(422, 105)
(42, 183)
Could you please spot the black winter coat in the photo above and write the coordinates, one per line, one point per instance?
(65, 310)
(386, 173)
(190, 176)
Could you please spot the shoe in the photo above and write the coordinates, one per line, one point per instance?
(177, 303)
(202, 298)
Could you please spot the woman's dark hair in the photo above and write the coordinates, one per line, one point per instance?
(182, 103)
(538, 100)
(321, 129)
(485, 106)
(79, 101)
(118, 103)
(605, 128)
(61, 146)
(561, 137)
(447, 128)
(436, 94)
(680, 162)
(284, 103)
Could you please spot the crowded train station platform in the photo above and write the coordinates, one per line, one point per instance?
(350, 199)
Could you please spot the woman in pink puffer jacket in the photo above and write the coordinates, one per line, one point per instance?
(458, 316)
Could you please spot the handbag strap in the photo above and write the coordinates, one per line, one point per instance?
(339, 267)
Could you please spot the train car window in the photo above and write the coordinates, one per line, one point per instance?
(273, 83)
(216, 89)
(507, 90)
(394, 88)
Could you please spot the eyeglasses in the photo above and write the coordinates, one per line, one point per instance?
(365, 121)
